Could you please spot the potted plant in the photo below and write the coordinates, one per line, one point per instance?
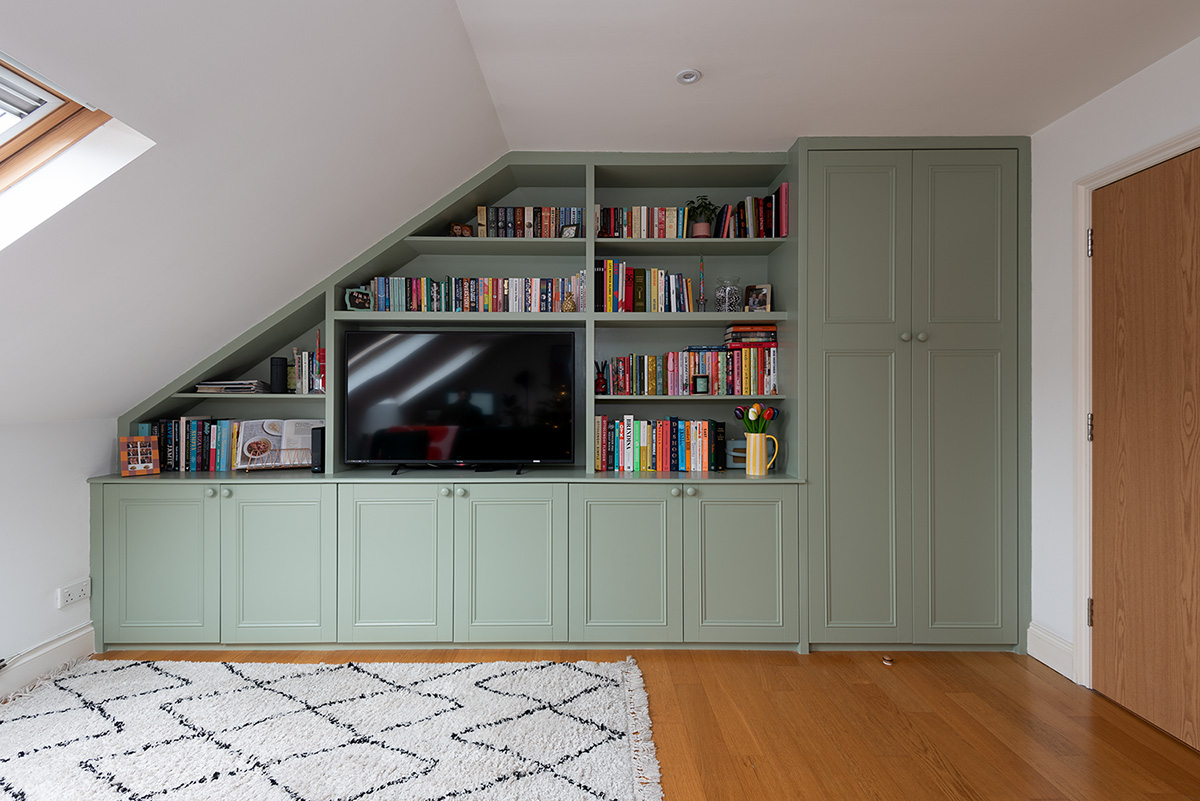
(701, 213)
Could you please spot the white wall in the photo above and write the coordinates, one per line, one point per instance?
(44, 523)
(1157, 104)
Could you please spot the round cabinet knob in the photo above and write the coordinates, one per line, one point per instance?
(675, 493)
(906, 337)
(460, 492)
(922, 337)
(210, 493)
(226, 493)
(445, 491)
(691, 490)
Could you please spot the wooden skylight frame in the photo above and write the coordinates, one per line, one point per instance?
(49, 136)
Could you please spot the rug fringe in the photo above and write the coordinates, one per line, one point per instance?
(647, 776)
(41, 681)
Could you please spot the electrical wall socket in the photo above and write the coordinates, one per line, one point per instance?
(74, 592)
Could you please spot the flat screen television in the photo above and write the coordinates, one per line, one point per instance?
(456, 398)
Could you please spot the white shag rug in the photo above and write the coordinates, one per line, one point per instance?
(185, 731)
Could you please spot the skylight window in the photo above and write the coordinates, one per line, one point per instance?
(53, 149)
(23, 103)
(42, 123)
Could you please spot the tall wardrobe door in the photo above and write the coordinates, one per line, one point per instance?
(964, 387)
(859, 308)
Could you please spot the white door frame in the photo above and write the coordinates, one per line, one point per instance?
(1083, 378)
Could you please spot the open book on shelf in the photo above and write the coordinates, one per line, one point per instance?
(275, 443)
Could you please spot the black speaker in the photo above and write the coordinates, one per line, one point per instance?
(318, 449)
(278, 375)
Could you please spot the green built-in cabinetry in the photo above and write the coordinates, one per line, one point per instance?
(395, 562)
(510, 545)
(912, 297)
(319, 560)
(156, 563)
(891, 514)
(278, 563)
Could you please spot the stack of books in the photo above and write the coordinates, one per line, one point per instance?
(759, 335)
(246, 387)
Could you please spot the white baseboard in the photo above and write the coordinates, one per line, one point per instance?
(46, 658)
(1051, 650)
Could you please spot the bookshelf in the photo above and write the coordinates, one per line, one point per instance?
(424, 248)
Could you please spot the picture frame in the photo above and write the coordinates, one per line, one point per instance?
(138, 456)
(358, 299)
(758, 298)
(569, 231)
(700, 385)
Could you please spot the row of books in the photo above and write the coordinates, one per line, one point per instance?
(736, 369)
(308, 370)
(531, 222)
(625, 444)
(621, 288)
(749, 218)
(200, 444)
(420, 294)
(193, 444)
(252, 386)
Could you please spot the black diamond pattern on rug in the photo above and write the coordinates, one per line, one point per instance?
(183, 731)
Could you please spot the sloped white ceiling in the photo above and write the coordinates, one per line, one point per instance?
(600, 75)
(290, 137)
(293, 134)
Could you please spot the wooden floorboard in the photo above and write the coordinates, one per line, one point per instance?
(844, 726)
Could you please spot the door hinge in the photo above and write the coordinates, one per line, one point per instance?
(1091, 427)
(1091, 612)
(1089, 243)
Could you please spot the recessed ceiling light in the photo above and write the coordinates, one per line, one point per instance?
(688, 76)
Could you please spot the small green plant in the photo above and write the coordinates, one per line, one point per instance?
(702, 209)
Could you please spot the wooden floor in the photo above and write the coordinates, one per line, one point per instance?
(778, 725)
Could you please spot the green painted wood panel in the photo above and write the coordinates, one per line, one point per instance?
(741, 563)
(510, 544)
(862, 543)
(860, 204)
(395, 563)
(860, 532)
(965, 388)
(278, 563)
(626, 563)
(161, 564)
(934, 454)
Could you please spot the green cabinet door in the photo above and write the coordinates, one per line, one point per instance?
(860, 273)
(395, 563)
(964, 396)
(741, 563)
(161, 564)
(913, 325)
(510, 546)
(278, 563)
(626, 563)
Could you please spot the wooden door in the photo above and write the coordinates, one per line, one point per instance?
(1146, 451)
